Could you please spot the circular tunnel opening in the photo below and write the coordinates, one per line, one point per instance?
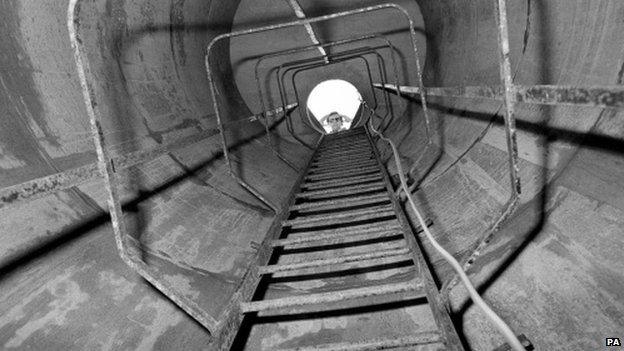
(334, 103)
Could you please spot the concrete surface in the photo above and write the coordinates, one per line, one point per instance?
(554, 271)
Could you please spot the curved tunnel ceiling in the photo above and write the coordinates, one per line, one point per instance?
(553, 268)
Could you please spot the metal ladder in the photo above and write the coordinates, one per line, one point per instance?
(345, 199)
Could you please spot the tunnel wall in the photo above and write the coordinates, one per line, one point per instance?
(553, 269)
(549, 262)
(63, 285)
(389, 23)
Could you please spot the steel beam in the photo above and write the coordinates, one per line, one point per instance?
(44, 186)
(594, 96)
(294, 4)
(128, 252)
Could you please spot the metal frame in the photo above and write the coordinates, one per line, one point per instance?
(510, 94)
(303, 22)
(262, 58)
(364, 50)
(555, 95)
(40, 187)
(107, 166)
(338, 58)
(228, 327)
(311, 47)
(292, 65)
(297, 70)
(129, 253)
(382, 73)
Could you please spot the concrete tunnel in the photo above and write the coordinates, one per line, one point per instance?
(553, 269)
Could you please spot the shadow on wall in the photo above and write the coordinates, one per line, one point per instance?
(536, 211)
(121, 108)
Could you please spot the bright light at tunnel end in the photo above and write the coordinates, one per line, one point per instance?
(334, 95)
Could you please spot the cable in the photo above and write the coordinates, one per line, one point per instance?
(474, 295)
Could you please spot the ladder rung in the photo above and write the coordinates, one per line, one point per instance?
(344, 147)
(424, 338)
(343, 151)
(348, 173)
(333, 239)
(345, 170)
(338, 182)
(332, 160)
(342, 217)
(354, 229)
(340, 203)
(332, 264)
(351, 139)
(345, 156)
(341, 237)
(343, 135)
(343, 190)
(343, 166)
(415, 287)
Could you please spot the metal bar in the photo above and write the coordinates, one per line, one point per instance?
(351, 149)
(339, 171)
(345, 165)
(365, 164)
(390, 224)
(308, 27)
(274, 149)
(340, 203)
(398, 8)
(339, 182)
(331, 297)
(337, 204)
(347, 155)
(340, 174)
(512, 148)
(224, 145)
(320, 164)
(225, 334)
(311, 61)
(342, 237)
(402, 343)
(129, 254)
(357, 149)
(598, 96)
(342, 149)
(259, 87)
(330, 264)
(325, 45)
(257, 117)
(382, 72)
(340, 144)
(342, 57)
(333, 239)
(507, 79)
(412, 35)
(341, 217)
(338, 191)
(44, 186)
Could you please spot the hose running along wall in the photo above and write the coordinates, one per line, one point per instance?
(553, 271)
